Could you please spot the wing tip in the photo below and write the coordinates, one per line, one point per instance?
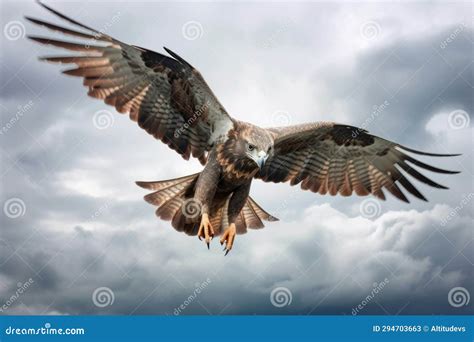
(31, 19)
(177, 57)
(142, 184)
(428, 153)
(272, 218)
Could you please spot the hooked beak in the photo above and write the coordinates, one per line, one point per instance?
(261, 159)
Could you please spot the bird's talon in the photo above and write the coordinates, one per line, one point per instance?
(228, 237)
(205, 231)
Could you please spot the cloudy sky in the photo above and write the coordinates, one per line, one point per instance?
(77, 237)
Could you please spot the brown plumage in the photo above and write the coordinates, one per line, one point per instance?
(170, 100)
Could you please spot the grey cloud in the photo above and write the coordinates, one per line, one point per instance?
(86, 225)
(159, 275)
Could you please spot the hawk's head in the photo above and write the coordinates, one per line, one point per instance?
(246, 150)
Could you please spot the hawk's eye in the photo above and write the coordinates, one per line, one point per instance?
(250, 147)
(269, 150)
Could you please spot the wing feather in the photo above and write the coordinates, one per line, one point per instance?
(165, 95)
(329, 158)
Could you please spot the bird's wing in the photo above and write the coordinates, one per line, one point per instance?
(339, 159)
(165, 95)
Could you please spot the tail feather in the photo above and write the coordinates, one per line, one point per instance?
(250, 217)
(170, 196)
(260, 212)
(161, 185)
(168, 209)
(218, 220)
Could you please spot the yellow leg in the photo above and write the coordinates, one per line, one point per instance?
(228, 237)
(205, 230)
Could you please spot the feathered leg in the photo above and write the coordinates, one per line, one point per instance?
(205, 190)
(236, 203)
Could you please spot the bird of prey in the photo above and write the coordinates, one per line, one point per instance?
(170, 100)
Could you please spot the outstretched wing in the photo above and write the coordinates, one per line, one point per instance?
(165, 95)
(339, 159)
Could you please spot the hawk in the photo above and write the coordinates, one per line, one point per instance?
(170, 100)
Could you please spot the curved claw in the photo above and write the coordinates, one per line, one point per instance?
(228, 237)
(205, 230)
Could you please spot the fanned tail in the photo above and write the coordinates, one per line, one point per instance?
(251, 217)
(170, 196)
(174, 199)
